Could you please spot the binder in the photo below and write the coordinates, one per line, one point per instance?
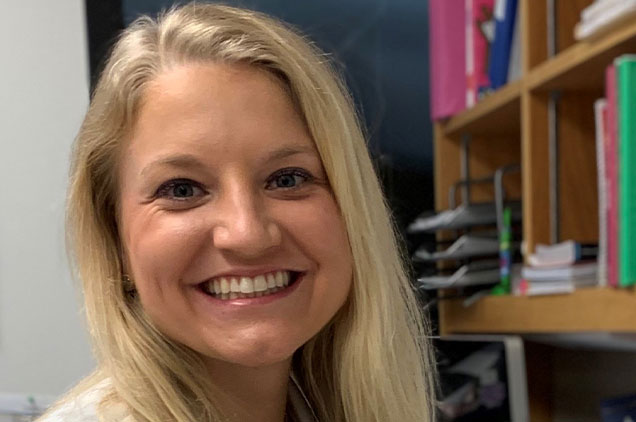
(505, 22)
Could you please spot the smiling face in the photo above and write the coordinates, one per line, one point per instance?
(221, 184)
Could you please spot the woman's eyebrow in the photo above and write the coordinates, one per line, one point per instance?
(288, 151)
(190, 161)
(176, 161)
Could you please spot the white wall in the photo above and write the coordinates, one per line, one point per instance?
(43, 95)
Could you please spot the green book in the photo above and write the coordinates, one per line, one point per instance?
(626, 87)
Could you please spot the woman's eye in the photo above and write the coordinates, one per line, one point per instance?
(183, 190)
(288, 179)
(179, 190)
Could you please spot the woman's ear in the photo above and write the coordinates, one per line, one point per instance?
(127, 281)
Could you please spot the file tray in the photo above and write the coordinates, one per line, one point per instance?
(476, 273)
(467, 246)
(462, 217)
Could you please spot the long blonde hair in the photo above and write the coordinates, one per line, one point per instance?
(371, 363)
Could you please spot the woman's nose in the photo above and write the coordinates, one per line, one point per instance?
(243, 225)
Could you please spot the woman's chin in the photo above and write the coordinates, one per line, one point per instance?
(252, 355)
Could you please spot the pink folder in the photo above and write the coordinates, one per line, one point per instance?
(447, 57)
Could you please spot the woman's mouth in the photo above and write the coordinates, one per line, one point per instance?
(228, 288)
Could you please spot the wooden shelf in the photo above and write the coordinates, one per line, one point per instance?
(502, 106)
(581, 67)
(514, 124)
(585, 310)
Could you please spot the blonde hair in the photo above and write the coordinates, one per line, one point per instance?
(371, 363)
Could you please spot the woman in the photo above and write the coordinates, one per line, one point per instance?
(237, 257)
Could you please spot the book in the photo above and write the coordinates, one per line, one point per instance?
(600, 118)
(527, 287)
(480, 31)
(626, 84)
(447, 57)
(582, 270)
(505, 14)
(611, 169)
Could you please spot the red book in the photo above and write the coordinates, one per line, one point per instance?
(480, 33)
(611, 169)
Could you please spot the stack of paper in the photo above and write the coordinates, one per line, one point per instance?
(556, 280)
(562, 254)
(603, 15)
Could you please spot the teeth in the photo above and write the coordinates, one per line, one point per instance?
(235, 287)
(225, 286)
(279, 279)
(271, 281)
(248, 287)
(260, 283)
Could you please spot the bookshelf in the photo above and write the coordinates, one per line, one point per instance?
(512, 125)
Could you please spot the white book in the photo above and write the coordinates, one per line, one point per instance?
(600, 109)
(571, 272)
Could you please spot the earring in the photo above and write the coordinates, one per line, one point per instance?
(128, 286)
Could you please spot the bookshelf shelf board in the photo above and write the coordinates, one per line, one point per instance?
(585, 310)
(502, 106)
(581, 67)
